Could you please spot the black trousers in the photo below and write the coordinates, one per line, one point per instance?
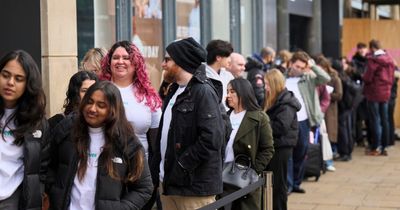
(278, 165)
(345, 139)
(12, 202)
(392, 104)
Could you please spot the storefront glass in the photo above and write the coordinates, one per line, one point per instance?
(147, 35)
(104, 23)
(246, 26)
(220, 20)
(188, 19)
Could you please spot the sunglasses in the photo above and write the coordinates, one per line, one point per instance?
(166, 59)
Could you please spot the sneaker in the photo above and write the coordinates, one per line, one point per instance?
(330, 168)
(373, 153)
(298, 190)
(384, 153)
(345, 158)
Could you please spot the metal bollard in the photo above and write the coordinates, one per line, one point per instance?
(267, 191)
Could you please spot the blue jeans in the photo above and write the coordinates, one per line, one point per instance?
(290, 173)
(297, 161)
(378, 116)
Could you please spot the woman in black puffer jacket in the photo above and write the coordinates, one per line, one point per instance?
(97, 161)
(23, 133)
(281, 106)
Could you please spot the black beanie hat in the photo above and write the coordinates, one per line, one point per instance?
(187, 53)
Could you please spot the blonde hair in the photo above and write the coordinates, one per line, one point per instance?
(94, 57)
(276, 83)
(285, 56)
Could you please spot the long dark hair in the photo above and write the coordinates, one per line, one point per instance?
(30, 110)
(117, 131)
(73, 99)
(245, 93)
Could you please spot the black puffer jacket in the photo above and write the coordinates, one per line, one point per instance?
(255, 75)
(284, 119)
(110, 193)
(36, 159)
(193, 160)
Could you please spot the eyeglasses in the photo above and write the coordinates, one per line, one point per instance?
(166, 59)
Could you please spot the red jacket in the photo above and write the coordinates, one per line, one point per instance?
(378, 78)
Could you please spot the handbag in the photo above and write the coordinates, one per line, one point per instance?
(238, 175)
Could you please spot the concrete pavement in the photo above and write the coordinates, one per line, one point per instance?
(364, 183)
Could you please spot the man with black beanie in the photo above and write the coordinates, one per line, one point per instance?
(187, 163)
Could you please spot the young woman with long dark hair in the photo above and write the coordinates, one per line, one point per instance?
(77, 87)
(23, 143)
(251, 136)
(100, 163)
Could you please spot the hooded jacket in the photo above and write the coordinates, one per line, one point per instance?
(283, 119)
(255, 75)
(379, 77)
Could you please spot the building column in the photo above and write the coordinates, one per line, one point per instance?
(283, 25)
(373, 13)
(59, 50)
(314, 43)
(347, 9)
(395, 12)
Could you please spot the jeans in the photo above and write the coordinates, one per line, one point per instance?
(378, 115)
(297, 161)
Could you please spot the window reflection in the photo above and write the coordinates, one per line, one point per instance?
(147, 35)
(188, 19)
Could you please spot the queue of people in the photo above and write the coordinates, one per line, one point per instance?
(120, 144)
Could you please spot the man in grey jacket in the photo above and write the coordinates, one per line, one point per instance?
(303, 77)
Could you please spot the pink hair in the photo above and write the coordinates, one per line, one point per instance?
(140, 78)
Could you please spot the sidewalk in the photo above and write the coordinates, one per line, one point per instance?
(364, 183)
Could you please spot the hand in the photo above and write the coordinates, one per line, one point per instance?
(311, 63)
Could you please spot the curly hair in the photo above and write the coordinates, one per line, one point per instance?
(141, 78)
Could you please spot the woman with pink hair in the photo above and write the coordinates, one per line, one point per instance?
(124, 65)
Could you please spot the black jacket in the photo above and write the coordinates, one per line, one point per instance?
(110, 193)
(36, 159)
(193, 160)
(284, 119)
(255, 75)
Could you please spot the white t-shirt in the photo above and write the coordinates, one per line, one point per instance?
(83, 193)
(11, 159)
(139, 115)
(165, 128)
(292, 85)
(224, 77)
(236, 120)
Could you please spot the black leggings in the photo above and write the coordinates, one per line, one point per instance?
(11, 203)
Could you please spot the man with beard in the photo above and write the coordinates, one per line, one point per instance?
(187, 162)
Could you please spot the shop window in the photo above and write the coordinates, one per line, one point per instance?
(188, 19)
(104, 23)
(246, 27)
(147, 35)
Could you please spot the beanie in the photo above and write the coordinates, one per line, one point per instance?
(187, 53)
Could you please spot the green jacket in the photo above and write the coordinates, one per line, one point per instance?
(307, 86)
(260, 150)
